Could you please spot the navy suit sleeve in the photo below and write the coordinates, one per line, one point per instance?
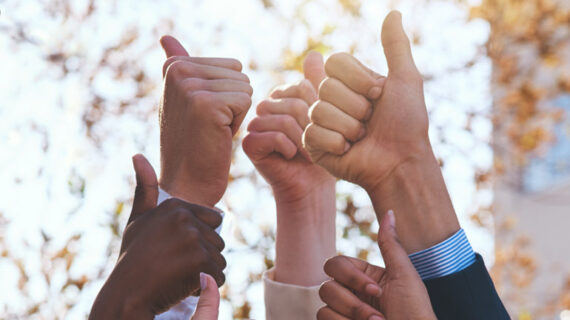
(466, 295)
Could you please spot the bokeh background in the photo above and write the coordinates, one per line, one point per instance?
(80, 82)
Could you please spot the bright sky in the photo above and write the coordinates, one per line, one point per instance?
(41, 108)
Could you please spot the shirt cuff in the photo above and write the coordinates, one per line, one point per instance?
(450, 256)
(285, 301)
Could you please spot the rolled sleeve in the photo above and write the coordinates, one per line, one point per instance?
(286, 301)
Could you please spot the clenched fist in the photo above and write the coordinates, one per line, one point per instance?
(204, 103)
(364, 125)
(274, 142)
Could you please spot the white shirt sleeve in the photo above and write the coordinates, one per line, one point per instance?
(185, 309)
(285, 301)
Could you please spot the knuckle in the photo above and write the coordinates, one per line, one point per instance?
(222, 244)
(329, 265)
(334, 59)
(354, 130)
(263, 107)
(288, 123)
(325, 86)
(224, 263)
(245, 99)
(170, 204)
(299, 108)
(280, 138)
(315, 112)
(309, 134)
(235, 64)
(192, 235)
(339, 143)
(201, 98)
(180, 216)
(361, 108)
(322, 314)
(221, 279)
(168, 63)
(305, 87)
(176, 69)
(325, 289)
(193, 84)
(249, 90)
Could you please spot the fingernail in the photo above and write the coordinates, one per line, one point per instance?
(374, 93)
(203, 281)
(346, 146)
(391, 219)
(375, 317)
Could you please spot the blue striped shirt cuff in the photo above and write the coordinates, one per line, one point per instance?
(450, 256)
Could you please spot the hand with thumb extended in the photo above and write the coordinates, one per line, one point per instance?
(363, 291)
(163, 252)
(364, 126)
(209, 303)
(204, 103)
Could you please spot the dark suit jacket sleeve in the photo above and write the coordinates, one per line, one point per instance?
(466, 295)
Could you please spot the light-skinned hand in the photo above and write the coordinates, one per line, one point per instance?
(274, 142)
(388, 114)
(204, 103)
(361, 291)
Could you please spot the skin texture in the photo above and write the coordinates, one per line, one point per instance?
(203, 105)
(163, 252)
(304, 192)
(373, 131)
(361, 291)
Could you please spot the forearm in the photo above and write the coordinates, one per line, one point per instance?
(416, 191)
(305, 236)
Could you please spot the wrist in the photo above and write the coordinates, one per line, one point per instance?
(306, 233)
(112, 303)
(315, 208)
(416, 191)
(189, 193)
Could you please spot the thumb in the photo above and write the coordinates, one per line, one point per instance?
(397, 46)
(146, 192)
(393, 253)
(314, 68)
(172, 47)
(209, 302)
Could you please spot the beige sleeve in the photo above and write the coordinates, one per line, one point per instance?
(286, 301)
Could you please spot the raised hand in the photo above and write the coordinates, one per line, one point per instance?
(304, 192)
(204, 103)
(361, 291)
(392, 122)
(163, 252)
(373, 131)
(274, 142)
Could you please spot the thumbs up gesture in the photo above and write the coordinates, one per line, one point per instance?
(365, 126)
(163, 252)
(361, 291)
(203, 105)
